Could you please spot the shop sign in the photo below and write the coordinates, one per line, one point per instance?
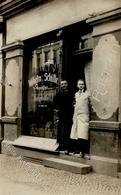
(47, 77)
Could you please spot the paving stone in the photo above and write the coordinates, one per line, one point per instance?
(17, 179)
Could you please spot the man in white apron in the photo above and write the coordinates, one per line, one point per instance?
(80, 127)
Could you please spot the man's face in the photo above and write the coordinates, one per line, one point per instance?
(80, 85)
(64, 85)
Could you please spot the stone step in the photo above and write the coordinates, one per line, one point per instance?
(74, 167)
(37, 143)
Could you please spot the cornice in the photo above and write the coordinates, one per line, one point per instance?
(104, 17)
(13, 46)
(105, 125)
(16, 6)
(8, 119)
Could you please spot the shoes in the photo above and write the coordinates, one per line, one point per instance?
(66, 152)
(71, 153)
(59, 148)
(87, 156)
(81, 154)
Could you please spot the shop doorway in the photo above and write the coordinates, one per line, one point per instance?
(47, 60)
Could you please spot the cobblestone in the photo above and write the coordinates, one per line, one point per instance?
(17, 179)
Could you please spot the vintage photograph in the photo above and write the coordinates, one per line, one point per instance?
(60, 97)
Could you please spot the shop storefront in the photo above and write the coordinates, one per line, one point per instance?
(47, 62)
(38, 50)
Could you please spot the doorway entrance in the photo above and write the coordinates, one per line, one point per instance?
(48, 59)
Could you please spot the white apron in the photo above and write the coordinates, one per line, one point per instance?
(80, 126)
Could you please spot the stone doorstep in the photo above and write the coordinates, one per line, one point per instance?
(36, 143)
(66, 165)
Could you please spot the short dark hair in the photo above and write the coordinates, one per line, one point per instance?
(84, 83)
(80, 80)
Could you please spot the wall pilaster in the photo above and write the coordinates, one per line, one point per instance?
(105, 124)
(12, 96)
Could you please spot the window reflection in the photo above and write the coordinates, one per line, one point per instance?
(43, 84)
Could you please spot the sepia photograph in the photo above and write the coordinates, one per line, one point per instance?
(60, 97)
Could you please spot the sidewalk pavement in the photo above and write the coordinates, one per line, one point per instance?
(18, 177)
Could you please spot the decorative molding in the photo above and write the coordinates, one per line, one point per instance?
(14, 115)
(12, 87)
(107, 27)
(107, 22)
(114, 116)
(105, 159)
(6, 119)
(14, 7)
(105, 125)
(104, 17)
(13, 50)
(12, 46)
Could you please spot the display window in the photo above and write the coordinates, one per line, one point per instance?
(44, 76)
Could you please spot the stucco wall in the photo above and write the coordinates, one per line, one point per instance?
(12, 87)
(0, 73)
(105, 76)
(53, 15)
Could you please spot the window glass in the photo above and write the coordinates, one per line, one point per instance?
(43, 84)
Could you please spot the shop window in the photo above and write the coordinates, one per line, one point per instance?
(44, 77)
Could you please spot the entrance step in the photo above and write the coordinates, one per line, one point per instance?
(36, 143)
(74, 167)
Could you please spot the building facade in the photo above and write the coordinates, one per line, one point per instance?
(44, 41)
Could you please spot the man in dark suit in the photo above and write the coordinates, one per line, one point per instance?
(63, 104)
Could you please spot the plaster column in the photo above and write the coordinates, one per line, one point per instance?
(13, 67)
(105, 124)
(1, 129)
